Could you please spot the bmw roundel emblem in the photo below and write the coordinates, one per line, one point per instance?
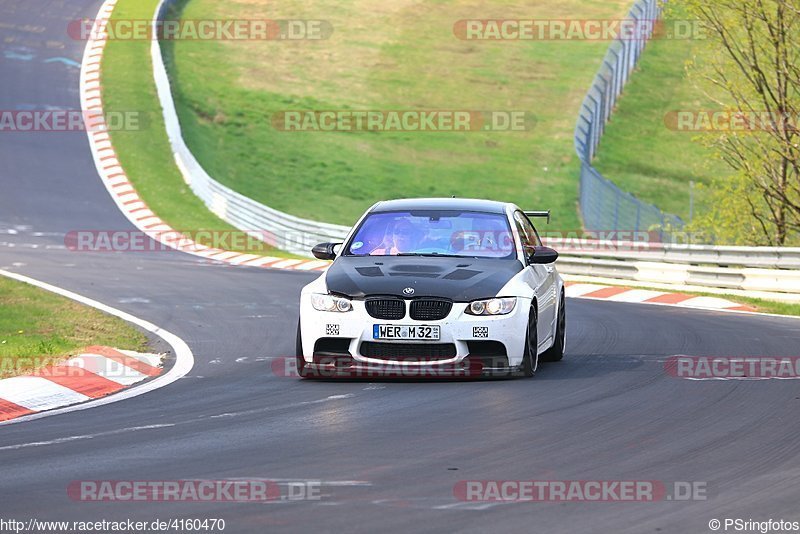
(408, 291)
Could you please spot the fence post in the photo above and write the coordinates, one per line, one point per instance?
(596, 192)
(625, 59)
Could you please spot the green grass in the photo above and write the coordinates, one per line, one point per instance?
(38, 328)
(639, 152)
(387, 55)
(145, 154)
(766, 306)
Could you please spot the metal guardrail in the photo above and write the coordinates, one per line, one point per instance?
(725, 257)
(284, 231)
(772, 283)
(749, 268)
(773, 271)
(604, 206)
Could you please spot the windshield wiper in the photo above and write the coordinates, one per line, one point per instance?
(432, 254)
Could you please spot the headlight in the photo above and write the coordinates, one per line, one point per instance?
(501, 306)
(330, 303)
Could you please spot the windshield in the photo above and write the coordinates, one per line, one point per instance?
(433, 233)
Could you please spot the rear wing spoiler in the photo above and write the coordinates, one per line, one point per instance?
(539, 214)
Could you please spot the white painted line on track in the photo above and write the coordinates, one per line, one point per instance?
(83, 436)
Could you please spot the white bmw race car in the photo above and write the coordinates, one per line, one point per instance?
(434, 287)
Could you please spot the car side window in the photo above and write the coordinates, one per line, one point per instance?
(527, 237)
(522, 235)
(532, 230)
(526, 230)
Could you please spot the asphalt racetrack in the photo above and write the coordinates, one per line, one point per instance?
(387, 455)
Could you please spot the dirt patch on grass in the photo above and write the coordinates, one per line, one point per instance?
(401, 53)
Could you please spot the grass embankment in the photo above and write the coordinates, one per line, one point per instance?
(39, 328)
(761, 305)
(639, 152)
(393, 55)
(401, 55)
(145, 154)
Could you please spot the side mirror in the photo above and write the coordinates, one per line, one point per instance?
(325, 251)
(542, 256)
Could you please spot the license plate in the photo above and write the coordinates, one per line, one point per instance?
(399, 331)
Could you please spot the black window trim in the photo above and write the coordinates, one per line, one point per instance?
(527, 249)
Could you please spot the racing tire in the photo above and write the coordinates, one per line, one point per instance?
(530, 358)
(301, 362)
(556, 352)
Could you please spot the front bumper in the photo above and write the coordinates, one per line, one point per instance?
(469, 336)
(462, 370)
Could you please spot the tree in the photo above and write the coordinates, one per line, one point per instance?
(753, 71)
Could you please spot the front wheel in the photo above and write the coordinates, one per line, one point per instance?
(556, 352)
(530, 358)
(298, 350)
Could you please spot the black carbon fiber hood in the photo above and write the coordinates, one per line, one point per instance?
(459, 279)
